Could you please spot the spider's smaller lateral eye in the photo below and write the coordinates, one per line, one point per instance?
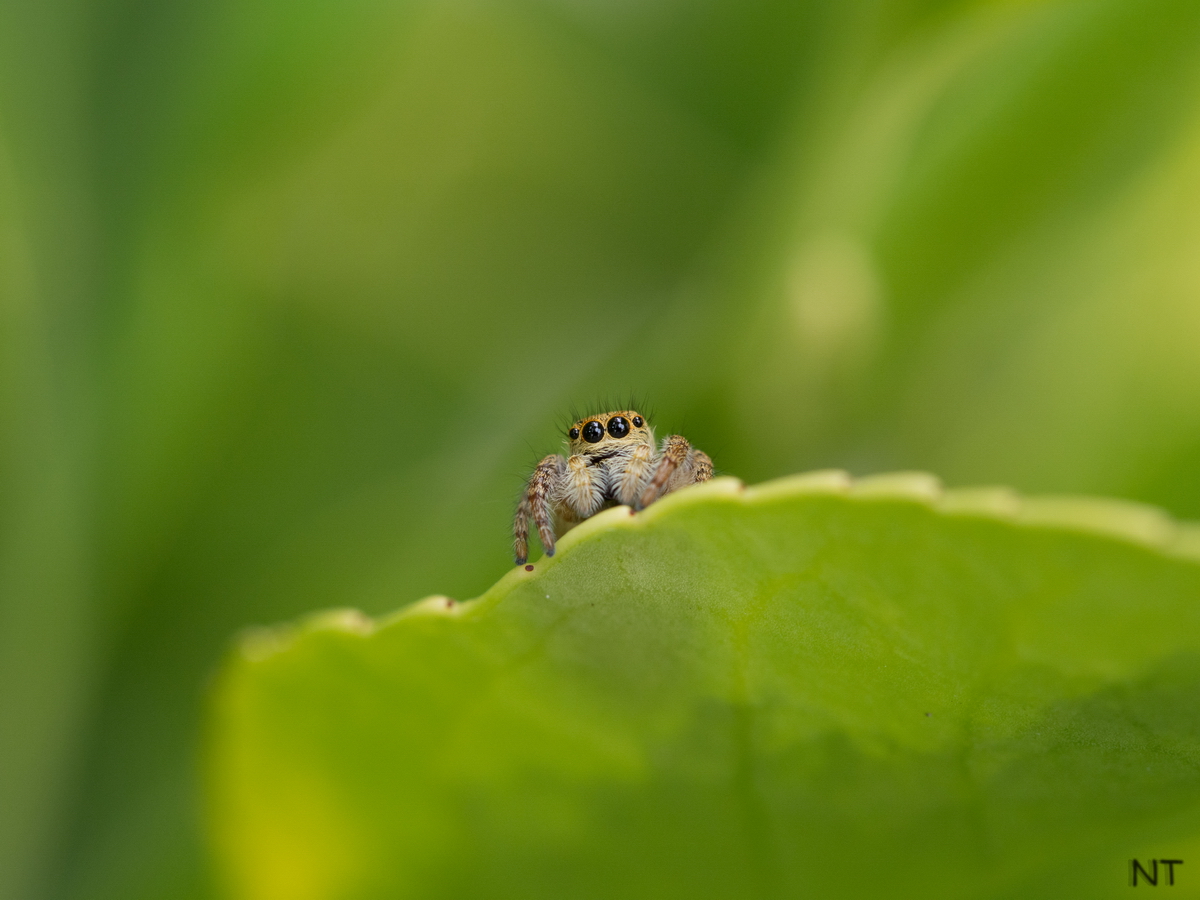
(638, 422)
(573, 433)
(592, 432)
(618, 426)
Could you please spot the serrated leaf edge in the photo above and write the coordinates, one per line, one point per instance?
(1122, 520)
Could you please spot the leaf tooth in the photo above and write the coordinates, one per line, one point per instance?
(822, 481)
(260, 643)
(1136, 522)
(351, 621)
(723, 486)
(991, 502)
(1186, 542)
(920, 486)
(436, 605)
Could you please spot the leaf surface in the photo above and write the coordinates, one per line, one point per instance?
(809, 688)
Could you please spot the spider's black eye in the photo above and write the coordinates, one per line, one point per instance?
(574, 433)
(592, 432)
(638, 422)
(618, 426)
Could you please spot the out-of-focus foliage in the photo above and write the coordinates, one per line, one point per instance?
(292, 293)
(799, 691)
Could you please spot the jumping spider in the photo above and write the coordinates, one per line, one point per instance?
(612, 461)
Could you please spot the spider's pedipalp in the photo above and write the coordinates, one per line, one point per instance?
(629, 483)
(702, 468)
(579, 490)
(679, 464)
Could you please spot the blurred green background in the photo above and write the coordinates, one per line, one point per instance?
(293, 294)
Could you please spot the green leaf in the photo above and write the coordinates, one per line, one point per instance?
(808, 688)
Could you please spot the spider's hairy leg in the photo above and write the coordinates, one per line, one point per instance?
(632, 480)
(535, 504)
(679, 464)
(579, 489)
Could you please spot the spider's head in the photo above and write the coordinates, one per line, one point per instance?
(608, 432)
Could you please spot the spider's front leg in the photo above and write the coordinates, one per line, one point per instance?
(679, 464)
(563, 489)
(535, 504)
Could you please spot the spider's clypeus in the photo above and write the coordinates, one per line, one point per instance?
(613, 461)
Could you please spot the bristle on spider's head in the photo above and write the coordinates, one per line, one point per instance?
(607, 405)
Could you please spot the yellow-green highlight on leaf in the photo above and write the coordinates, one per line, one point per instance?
(815, 687)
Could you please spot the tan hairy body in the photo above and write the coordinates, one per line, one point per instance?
(613, 461)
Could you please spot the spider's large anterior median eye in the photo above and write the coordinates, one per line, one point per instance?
(592, 432)
(573, 433)
(618, 426)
